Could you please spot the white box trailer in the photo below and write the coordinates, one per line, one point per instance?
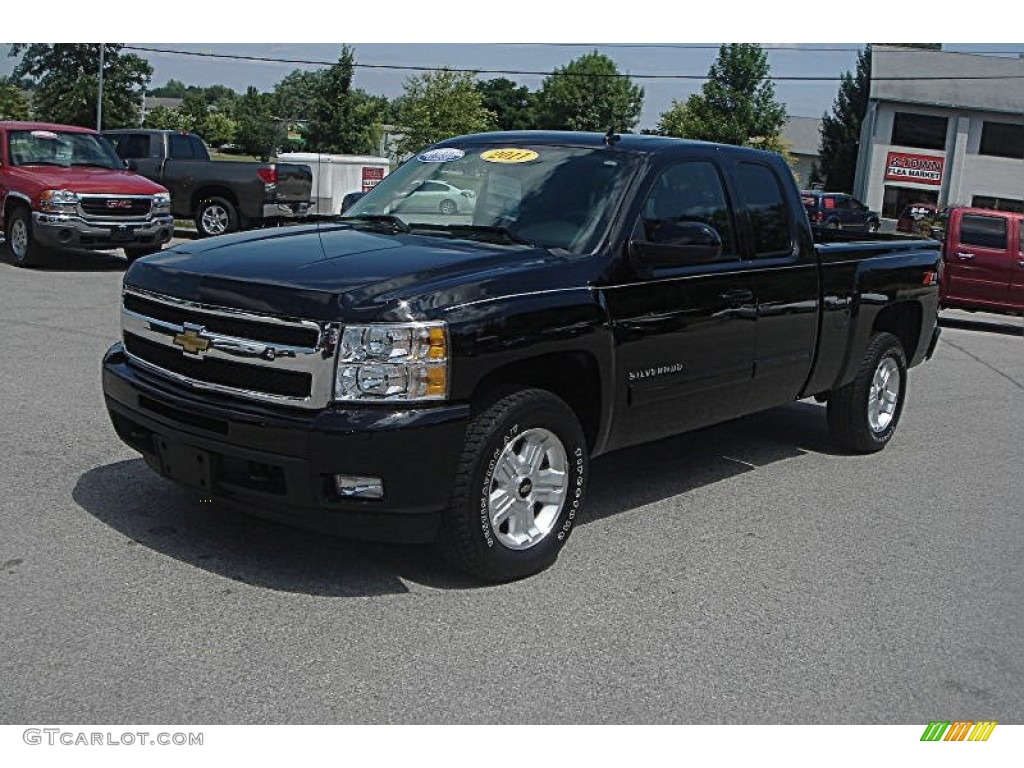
(335, 176)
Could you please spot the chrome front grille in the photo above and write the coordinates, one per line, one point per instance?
(251, 356)
(115, 207)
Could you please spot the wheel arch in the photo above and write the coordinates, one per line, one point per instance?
(574, 377)
(903, 320)
(206, 193)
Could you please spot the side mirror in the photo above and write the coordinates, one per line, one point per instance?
(351, 199)
(677, 244)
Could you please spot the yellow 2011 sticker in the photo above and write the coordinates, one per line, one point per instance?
(508, 155)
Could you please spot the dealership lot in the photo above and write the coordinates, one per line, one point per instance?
(745, 573)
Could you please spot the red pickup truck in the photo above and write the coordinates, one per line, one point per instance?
(64, 187)
(983, 261)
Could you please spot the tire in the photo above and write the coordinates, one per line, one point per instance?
(449, 207)
(137, 253)
(833, 224)
(510, 516)
(216, 216)
(863, 415)
(873, 226)
(21, 244)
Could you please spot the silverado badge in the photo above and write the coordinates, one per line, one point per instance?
(191, 341)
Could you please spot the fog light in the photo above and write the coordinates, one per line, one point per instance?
(359, 487)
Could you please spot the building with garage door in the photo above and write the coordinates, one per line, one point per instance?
(953, 137)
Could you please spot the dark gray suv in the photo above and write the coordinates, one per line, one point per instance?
(837, 210)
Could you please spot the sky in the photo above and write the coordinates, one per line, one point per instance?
(657, 37)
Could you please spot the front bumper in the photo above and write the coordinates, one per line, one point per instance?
(280, 463)
(58, 230)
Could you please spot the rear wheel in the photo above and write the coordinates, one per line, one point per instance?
(519, 487)
(21, 244)
(215, 216)
(449, 207)
(864, 414)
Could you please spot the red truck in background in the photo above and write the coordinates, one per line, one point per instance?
(62, 186)
(983, 261)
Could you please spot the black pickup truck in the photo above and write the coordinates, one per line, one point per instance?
(430, 377)
(221, 196)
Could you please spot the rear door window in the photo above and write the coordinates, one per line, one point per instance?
(766, 210)
(983, 231)
(180, 148)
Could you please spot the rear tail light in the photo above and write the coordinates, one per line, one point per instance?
(267, 175)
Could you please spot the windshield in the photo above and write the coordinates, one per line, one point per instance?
(551, 196)
(64, 149)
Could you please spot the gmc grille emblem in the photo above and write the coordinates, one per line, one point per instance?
(119, 203)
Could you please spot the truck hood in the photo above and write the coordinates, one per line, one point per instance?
(86, 180)
(333, 272)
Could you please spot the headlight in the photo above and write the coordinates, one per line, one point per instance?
(58, 201)
(400, 361)
(161, 201)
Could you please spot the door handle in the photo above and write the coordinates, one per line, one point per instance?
(965, 256)
(737, 296)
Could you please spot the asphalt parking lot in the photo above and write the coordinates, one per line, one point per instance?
(747, 573)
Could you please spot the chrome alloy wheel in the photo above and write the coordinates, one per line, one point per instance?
(19, 239)
(528, 489)
(884, 395)
(215, 220)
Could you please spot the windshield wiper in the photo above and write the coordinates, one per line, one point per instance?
(392, 222)
(468, 230)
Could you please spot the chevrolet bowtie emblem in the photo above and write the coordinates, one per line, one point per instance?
(191, 341)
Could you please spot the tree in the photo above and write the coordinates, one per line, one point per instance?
(589, 94)
(736, 105)
(12, 104)
(169, 119)
(437, 105)
(840, 129)
(217, 128)
(295, 94)
(514, 107)
(172, 89)
(258, 133)
(342, 120)
(66, 80)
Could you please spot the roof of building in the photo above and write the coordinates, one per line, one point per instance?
(803, 134)
(1005, 94)
(152, 102)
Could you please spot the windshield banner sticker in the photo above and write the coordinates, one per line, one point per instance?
(509, 155)
(443, 155)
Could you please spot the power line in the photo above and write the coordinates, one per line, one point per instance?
(773, 48)
(545, 73)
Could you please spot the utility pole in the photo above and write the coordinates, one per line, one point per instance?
(99, 96)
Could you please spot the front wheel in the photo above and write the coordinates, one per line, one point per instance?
(864, 414)
(519, 488)
(873, 226)
(25, 251)
(216, 216)
(449, 207)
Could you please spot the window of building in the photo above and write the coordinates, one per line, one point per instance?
(921, 131)
(766, 209)
(895, 199)
(983, 231)
(998, 203)
(1002, 140)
